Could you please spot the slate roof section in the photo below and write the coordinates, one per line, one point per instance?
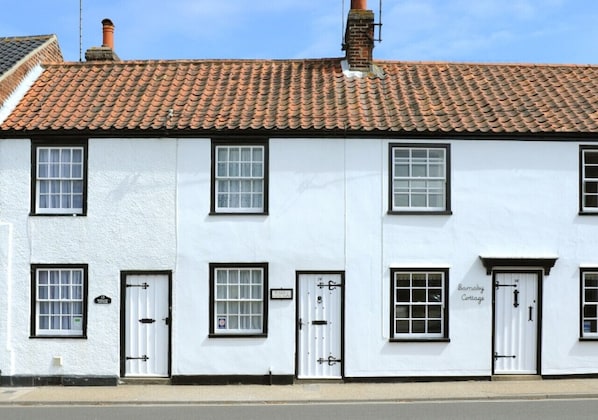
(224, 96)
(18, 55)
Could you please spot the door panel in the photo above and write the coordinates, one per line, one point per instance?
(147, 325)
(516, 323)
(320, 326)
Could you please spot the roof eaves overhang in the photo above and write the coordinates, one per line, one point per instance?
(299, 133)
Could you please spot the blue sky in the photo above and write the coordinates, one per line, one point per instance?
(528, 31)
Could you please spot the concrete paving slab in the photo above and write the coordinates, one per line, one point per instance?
(302, 393)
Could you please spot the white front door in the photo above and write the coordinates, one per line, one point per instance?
(516, 302)
(146, 322)
(320, 325)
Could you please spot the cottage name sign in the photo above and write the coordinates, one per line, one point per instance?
(472, 294)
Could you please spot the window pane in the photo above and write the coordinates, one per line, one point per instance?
(418, 200)
(591, 295)
(434, 327)
(257, 170)
(221, 292)
(419, 295)
(419, 280)
(434, 295)
(402, 170)
(246, 169)
(256, 308)
(591, 201)
(402, 311)
(233, 322)
(589, 311)
(419, 171)
(435, 280)
(403, 295)
(44, 308)
(418, 311)
(434, 311)
(591, 280)
(402, 327)
(591, 157)
(419, 327)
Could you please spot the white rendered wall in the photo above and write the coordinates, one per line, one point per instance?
(303, 231)
(148, 209)
(129, 226)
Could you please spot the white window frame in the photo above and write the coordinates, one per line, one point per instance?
(589, 303)
(587, 180)
(59, 301)
(60, 179)
(240, 178)
(420, 176)
(234, 287)
(417, 306)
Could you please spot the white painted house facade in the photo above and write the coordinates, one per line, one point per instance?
(405, 244)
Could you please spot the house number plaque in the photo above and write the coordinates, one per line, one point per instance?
(281, 294)
(103, 300)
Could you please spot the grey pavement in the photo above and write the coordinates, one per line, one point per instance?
(301, 392)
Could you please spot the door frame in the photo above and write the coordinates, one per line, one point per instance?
(123, 303)
(298, 274)
(540, 280)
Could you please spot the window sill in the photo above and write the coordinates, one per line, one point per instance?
(419, 213)
(69, 337)
(262, 335)
(588, 213)
(221, 213)
(58, 214)
(420, 340)
(588, 338)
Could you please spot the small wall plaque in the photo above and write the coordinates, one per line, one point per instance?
(103, 300)
(281, 294)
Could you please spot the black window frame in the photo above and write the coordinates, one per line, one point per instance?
(583, 315)
(212, 312)
(34, 293)
(266, 170)
(582, 184)
(57, 143)
(396, 337)
(447, 198)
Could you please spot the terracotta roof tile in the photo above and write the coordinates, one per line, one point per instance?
(220, 95)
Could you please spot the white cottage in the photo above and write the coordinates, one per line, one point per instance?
(266, 221)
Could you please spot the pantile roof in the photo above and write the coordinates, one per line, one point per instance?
(309, 95)
(18, 55)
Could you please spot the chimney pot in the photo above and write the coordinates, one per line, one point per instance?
(359, 4)
(108, 34)
(106, 51)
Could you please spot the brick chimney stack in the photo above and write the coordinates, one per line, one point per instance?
(106, 51)
(359, 36)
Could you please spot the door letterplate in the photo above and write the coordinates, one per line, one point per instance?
(143, 358)
(147, 320)
(501, 356)
(319, 322)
